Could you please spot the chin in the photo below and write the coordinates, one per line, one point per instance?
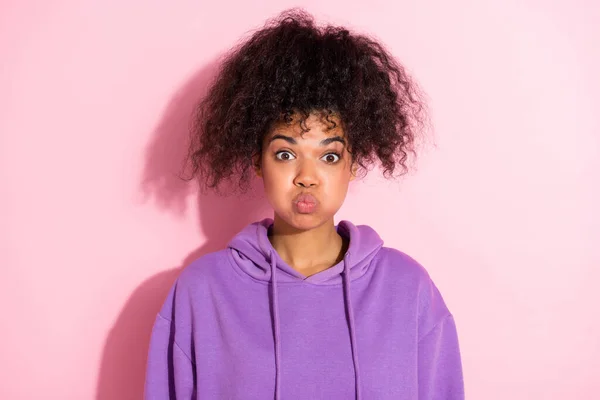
(303, 222)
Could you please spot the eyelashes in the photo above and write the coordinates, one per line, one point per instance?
(284, 155)
(336, 157)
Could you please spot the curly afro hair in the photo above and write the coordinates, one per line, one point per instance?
(292, 66)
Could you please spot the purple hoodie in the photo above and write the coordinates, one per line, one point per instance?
(242, 324)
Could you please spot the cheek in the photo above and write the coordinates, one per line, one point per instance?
(337, 183)
(275, 178)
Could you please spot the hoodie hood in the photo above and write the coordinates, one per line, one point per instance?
(254, 254)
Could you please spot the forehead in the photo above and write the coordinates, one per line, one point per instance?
(315, 125)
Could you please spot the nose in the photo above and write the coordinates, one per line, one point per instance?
(307, 175)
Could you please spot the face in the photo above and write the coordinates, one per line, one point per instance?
(305, 174)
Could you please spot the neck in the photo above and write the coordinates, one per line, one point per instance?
(308, 251)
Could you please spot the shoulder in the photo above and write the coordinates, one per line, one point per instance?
(407, 276)
(195, 281)
(205, 268)
(397, 264)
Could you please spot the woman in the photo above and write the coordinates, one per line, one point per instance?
(296, 307)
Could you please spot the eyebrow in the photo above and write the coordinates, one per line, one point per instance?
(324, 142)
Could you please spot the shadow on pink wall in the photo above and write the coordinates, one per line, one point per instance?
(123, 365)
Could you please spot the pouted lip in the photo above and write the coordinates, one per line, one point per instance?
(305, 198)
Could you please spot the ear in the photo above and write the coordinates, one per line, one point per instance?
(257, 165)
(353, 171)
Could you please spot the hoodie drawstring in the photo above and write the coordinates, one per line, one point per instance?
(351, 325)
(276, 333)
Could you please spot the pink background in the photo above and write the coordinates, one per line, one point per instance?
(503, 210)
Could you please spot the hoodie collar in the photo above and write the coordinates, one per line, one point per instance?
(252, 253)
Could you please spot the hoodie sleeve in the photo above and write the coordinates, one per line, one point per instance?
(170, 373)
(439, 368)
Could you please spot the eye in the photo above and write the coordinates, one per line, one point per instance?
(284, 155)
(331, 158)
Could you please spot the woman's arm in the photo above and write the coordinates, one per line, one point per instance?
(439, 367)
(171, 371)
